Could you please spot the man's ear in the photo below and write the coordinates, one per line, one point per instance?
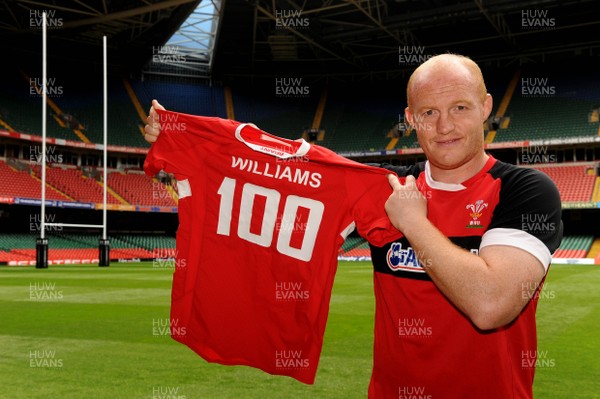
(408, 115)
(488, 104)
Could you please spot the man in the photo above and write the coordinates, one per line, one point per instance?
(456, 295)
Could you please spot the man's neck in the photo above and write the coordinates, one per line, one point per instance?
(460, 174)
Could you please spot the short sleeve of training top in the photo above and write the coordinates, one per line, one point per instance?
(528, 215)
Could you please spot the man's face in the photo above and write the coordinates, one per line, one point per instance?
(448, 113)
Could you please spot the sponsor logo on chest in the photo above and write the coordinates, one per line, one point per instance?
(403, 259)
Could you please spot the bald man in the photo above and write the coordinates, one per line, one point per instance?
(456, 296)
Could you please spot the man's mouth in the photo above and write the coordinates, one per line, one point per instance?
(447, 142)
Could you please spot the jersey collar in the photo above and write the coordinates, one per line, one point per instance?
(456, 186)
(269, 144)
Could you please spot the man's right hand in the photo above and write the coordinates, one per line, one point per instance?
(152, 127)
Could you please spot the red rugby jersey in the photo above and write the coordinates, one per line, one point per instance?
(261, 220)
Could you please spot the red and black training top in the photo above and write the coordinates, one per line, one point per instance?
(424, 345)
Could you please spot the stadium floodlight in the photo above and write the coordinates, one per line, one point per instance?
(42, 242)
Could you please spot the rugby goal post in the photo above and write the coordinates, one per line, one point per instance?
(41, 246)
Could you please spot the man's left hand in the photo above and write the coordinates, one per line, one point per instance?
(406, 205)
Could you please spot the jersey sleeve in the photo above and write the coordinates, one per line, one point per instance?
(403, 171)
(369, 191)
(184, 141)
(528, 215)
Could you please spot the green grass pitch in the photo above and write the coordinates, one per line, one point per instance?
(93, 332)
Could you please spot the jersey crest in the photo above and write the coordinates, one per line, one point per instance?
(476, 209)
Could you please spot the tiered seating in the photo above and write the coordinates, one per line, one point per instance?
(68, 183)
(359, 119)
(546, 118)
(83, 248)
(123, 120)
(355, 246)
(21, 184)
(576, 246)
(72, 182)
(282, 116)
(85, 103)
(21, 105)
(147, 241)
(572, 180)
(408, 140)
(546, 107)
(140, 189)
(189, 98)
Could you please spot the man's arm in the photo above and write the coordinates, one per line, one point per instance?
(491, 289)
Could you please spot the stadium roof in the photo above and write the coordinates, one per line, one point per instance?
(134, 29)
(322, 38)
(190, 50)
(367, 37)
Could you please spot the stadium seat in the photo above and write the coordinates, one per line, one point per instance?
(20, 183)
(64, 247)
(574, 182)
(575, 246)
